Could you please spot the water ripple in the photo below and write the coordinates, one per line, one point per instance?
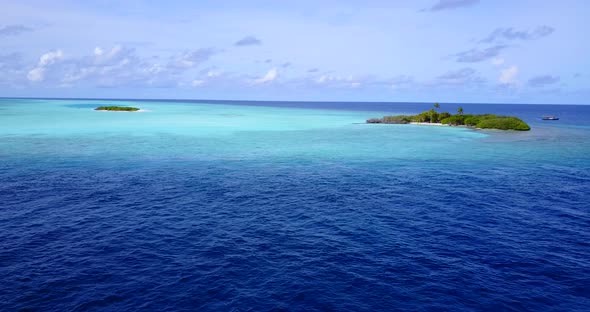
(317, 236)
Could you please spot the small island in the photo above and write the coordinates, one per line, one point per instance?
(117, 108)
(432, 117)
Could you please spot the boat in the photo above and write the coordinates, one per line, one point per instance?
(550, 118)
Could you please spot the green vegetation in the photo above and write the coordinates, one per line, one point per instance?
(504, 123)
(485, 121)
(401, 119)
(118, 108)
(455, 120)
(436, 106)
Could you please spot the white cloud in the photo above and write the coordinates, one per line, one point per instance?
(214, 73)
(508, 75)
(120, 65)
(194, 58)
(156, 69)
(98, 51)
(50, 58)
(498, 61)
(336, 81)
(270, 76)
(106, 64)
(197, 82)
(36, 74)
(401, 81)
(118, 55)
(330, 78)
(344, 81)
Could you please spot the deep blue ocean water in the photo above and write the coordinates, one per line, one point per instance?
(253, 206)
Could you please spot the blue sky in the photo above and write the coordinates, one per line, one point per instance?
(425, 50)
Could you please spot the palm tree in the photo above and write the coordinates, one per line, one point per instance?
(436, 106)
(460, 110)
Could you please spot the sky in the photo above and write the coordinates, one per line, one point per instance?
(467, 51)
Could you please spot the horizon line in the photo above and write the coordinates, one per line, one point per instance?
(270, 101)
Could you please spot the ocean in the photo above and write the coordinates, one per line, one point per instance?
(288, 206)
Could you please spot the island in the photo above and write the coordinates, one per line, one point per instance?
(433, 117)
(117, 108)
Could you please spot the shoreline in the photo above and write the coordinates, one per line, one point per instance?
(429, 124)
(434, 118)
(438, 124)
(122, 111)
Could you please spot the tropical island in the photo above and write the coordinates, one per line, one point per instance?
(117, 108)
(433, 117)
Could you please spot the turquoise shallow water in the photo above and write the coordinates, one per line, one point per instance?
(201, 131)
(293, 206)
